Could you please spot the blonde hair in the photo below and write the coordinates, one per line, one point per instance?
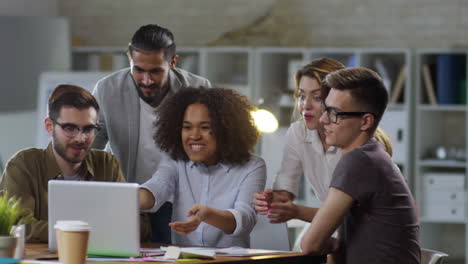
(382, 137)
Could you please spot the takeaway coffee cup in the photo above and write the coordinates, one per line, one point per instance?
(72, 241)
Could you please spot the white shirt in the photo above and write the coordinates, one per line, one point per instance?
(303, 155)
(221, 186)
(149, 154)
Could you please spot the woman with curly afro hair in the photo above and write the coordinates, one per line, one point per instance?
(208, 135)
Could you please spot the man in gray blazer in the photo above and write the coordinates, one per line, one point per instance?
(129, 100)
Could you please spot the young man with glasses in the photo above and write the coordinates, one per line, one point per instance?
(368, 198)
(72, 123)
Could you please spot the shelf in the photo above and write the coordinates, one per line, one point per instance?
(453, 108)
(442, 163)
(439, 76)
(423, 219)
(90, 49)
(396, 107)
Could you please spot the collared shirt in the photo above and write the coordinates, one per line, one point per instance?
(221, 186)
(304, 155)
(27, 174)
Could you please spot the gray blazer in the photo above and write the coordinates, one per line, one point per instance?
(119, 115)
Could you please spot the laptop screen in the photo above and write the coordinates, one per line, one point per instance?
(110, 208)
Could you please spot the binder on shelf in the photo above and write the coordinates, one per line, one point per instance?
(398, 86)
(352, 61)
(429, 84)
(450, 73)
(462, 91)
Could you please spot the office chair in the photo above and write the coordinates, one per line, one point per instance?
(429, 256)
(269, 236)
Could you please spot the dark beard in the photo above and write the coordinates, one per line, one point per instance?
(60, 150)
(157, 99)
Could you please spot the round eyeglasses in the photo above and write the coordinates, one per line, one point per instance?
(72, 130)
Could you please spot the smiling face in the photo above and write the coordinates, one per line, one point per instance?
(150, 70)
(308, 101)
(198, 139)
(72, 150)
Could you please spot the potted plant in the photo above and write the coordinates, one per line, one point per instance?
(11, 214)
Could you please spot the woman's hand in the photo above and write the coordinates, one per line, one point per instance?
(262, 201)
(198, 213)
(282, 209)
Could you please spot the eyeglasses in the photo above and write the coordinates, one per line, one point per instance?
(332, 114)
(72, 130)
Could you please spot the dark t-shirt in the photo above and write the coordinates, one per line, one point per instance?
(382, 225)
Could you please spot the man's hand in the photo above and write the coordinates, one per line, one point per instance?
(198, 213)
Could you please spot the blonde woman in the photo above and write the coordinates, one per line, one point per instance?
(306, 152)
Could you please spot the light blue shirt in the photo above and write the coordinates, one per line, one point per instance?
(221, 186)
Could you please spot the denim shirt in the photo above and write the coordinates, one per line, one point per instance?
(221, 186)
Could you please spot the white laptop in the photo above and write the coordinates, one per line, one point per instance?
(110, 208)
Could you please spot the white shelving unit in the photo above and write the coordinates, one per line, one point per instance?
(230, 67)
(267, 73)
(95, 59)
(440, 154)
(274, 69)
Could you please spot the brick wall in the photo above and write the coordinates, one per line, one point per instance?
(194, 22)
(28, 7)
(318, 23)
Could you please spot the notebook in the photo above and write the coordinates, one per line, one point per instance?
(110, 208)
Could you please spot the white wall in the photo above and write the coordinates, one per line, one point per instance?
(18, 131)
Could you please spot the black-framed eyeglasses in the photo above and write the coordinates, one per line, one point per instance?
(332, 114)
(72, 130)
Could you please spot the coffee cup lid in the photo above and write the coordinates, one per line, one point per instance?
(72, 225)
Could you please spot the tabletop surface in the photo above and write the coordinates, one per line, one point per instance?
(40, 251)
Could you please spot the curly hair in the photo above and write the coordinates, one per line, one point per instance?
(231, 123)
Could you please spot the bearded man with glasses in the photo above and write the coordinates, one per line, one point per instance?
(72, 123)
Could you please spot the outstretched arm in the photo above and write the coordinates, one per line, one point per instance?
(221, 219)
